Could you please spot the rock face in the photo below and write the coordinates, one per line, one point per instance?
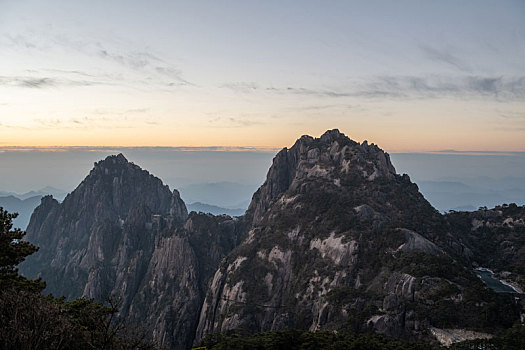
(334, 238)
(101, 224)
(321, 158)
(122, 233)
(493, 238)
(338, 237)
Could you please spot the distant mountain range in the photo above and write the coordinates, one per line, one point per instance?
(222, 194)
(472, 193)
(25, 203)
(48, 190)
(24, 208)
(215, 210)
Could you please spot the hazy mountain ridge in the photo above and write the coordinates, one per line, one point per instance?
(333, 237)
(215, 210)
(470, 194)
(24, 208)
(25, 203)
(230, 195)
(48, 190)
(466, 194)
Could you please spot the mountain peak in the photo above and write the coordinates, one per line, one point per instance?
(333, 159)
(113, 160)
(115, 186)
(331, 135)
(120, 157)
(326, 139)
(46, 200)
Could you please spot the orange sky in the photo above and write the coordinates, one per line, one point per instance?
(410, 127)
(439, 76)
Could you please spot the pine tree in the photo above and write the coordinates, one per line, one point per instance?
(13, 250)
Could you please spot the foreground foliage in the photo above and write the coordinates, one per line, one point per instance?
(293, 339)
(509, 339)
(30, 320)
(12, 252)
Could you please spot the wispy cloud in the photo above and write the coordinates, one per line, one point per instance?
(145, 62)
(406, 87)
(311, 92)
(322, 107)
(120, 113)
(11, 126)
(242, 87)
(512, 115)
(137, 110)
(114, 121)
(139, 66)
(49, 123)
(467, 87)
(21, 41)
(233, 122)
(445, 56)
(39, 82)
(249, 87)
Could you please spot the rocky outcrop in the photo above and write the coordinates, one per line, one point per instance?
(100, 225)
(338, 237)
(447, 337)
(492, 238)
(123, 234)
(328, 209)
(417, 243)
(326, 157)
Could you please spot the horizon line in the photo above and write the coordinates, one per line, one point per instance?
(268, 149)
(158, 148)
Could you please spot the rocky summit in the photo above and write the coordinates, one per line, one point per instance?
(123, 234)
(334, 239)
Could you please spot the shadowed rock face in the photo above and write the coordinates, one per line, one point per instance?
(337, 235)
(493, 238)
(98, 226)
(123, 233)
(323, 158)
(333, 238)
(314, 220)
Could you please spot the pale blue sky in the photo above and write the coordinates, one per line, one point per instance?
(408, 75)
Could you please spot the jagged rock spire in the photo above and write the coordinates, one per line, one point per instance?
(324, 158)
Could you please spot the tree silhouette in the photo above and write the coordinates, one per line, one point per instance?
(13, 250)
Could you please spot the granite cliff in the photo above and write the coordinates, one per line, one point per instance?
(123, 234)
(337, 237)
